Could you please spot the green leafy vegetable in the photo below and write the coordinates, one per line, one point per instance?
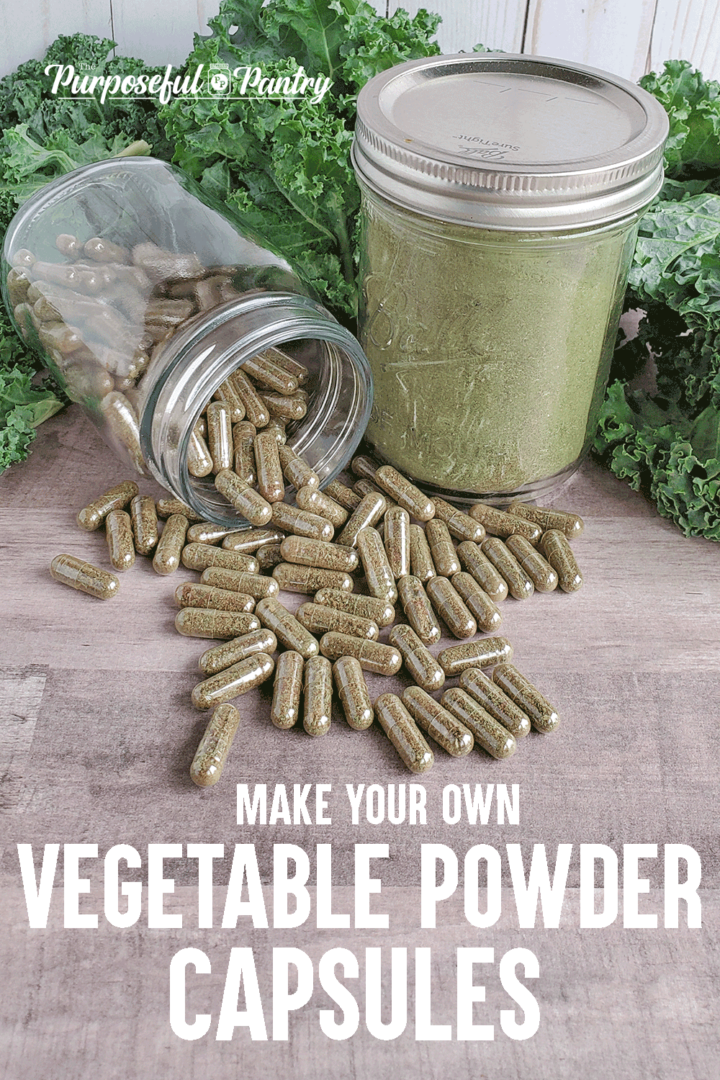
(693, 107)
(45, 136)
(22, 408)
(667, 443)
(283, 165)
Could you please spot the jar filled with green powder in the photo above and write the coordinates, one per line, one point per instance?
(501, 198)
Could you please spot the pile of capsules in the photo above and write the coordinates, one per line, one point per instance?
(108, 311)
(402, 541)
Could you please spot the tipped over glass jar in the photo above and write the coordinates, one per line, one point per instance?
(144, 298)
(501, 197)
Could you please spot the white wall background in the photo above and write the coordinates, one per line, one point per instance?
(628, 37)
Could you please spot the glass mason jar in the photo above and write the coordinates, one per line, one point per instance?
(500, 202)
(143, 298)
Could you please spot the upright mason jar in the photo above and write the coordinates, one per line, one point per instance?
(501, 199)
(144, 298)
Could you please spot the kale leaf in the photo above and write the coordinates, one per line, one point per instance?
(667, 443)
(282, 165)
(45, 136)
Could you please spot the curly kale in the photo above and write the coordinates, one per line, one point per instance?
(666, 443)
(283, 165)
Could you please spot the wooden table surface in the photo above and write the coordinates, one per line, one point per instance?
(97, 733)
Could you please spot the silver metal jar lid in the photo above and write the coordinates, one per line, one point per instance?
(509, 141)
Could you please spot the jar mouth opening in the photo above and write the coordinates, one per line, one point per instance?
(183, 378)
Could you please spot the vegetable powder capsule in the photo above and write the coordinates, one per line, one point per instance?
(421, 561)
(570, 524)
(519, 689)
(200, 556)
(144, 523)
(300, 523)
(245, 499)
(450, 607)
(477, 684)
(118, 533)
(372, 655)
(369, 607)
(166, 508)
(236, 649)
(405, 494)
(364, 467)
(343, 495)
(418, 609)
(317, 502)
(286, 628)
(442, 548)
(270, 481)
(441, 725)
(285, 708)
(320, 620)
(499, 523)
(535, 566)
(378, 575)
(481, 653)
(353, 693)
(319, 553)
(479, 566)
(220, 436)
(556, 549)
(477, 601)
(233, 681)
(291, 577)
(244, 446)
(211, 754)
(255, 585)
(296, 470)
(210, 623)
(92, 516)
(403, 733)
(368, 512)
(170, 546)
(317, 696)
(487, 732)
(190, 594)
(397, 541)
(83, 576)
(518, 582)
(249, 541)
(268, 556)
(419, 662)
(460, 525)
(207, 532)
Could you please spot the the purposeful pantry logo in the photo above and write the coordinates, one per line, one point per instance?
(206, 81)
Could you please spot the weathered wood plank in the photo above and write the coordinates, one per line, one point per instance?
(687, 31)
(160, 33)
(492, 23)
(26, 29)
(608, 34)
(613, 1003)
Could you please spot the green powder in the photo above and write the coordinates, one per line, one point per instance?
(489, 350)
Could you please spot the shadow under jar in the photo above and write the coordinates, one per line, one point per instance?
(501, 196)
(143, 297)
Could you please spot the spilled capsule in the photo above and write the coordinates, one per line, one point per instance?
(403, 733)
(233, 681)
(212, 753)
(353, 693)
(447, 731)
(83, 576)
(287, 690)
(487, 732)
